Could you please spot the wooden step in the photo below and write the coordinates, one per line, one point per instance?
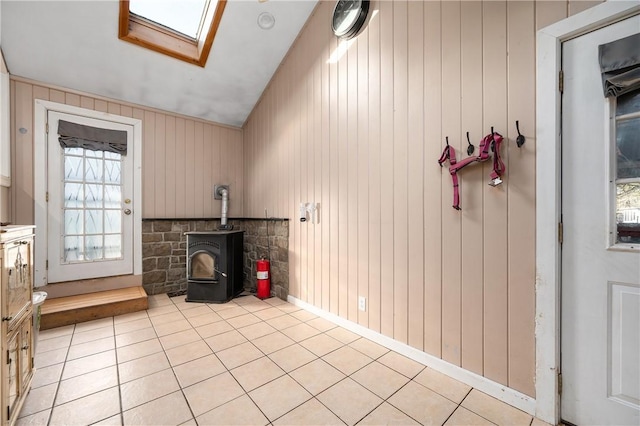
(87, 307)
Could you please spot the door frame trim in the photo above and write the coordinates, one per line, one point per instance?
(548, 192)
(41, 109)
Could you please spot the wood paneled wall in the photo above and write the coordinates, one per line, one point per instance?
(182, 158)
(361, 137)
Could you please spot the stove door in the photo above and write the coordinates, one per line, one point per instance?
(203, 266)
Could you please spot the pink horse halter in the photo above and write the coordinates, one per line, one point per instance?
(492, 140)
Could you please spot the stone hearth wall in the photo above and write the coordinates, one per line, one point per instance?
(164, 252)
(275, 248)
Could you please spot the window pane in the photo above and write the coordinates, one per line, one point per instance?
(112, 246)
(93, 248)
(628, 213)
(93, 221)
(112, 196)
(93, 172)
(90, 153)
(628, 147)
(93, 196)
(73, 168)
(73, 249)
(112, 221)
(73, 222)
(112, 171)
(73, 151)
(628, 103)
(112, 155)
(73, 195)
(180, 15)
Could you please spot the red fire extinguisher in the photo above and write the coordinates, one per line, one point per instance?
(264, 282)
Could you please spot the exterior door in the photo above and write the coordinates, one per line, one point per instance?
(600, 336)
(90, 204)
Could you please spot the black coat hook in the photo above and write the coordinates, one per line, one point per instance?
(470, 148)
(493, 141)
(446, 153)
(520, 139)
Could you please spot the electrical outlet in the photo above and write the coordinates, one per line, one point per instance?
(362, 303)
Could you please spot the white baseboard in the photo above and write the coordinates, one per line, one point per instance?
(496, 390)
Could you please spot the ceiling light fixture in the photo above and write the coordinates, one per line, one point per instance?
(266, 21)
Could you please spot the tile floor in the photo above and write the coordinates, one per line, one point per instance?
(249, 362)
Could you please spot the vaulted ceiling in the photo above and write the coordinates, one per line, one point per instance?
(74, 44)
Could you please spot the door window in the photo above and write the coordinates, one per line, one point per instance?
(92, 205)
(627, 139)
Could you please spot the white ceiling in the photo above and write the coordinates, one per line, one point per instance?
(74, 44)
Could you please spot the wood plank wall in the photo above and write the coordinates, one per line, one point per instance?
(182, 158)
(361, 137)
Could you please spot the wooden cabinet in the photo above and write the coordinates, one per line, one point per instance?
(16, 279)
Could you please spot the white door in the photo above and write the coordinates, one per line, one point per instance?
(600, 334)
(89, 212)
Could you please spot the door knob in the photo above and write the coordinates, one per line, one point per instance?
(127, 211)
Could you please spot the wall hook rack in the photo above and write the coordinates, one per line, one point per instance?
(520, 139)
(495, 140)
(470, 148)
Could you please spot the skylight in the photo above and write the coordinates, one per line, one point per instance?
(182, 29)
(183, 16)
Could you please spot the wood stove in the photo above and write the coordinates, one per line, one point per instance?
(214, 266)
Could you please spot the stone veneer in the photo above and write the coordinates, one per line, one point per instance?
(164, 252)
